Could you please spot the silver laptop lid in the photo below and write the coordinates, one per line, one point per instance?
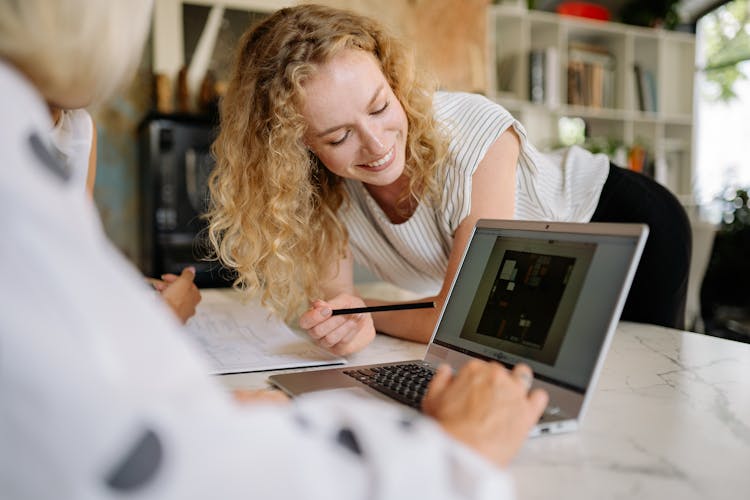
(546, 294)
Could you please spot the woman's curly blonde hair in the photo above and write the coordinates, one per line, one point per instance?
(272, 212)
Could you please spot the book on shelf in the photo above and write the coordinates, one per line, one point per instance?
(651, 96)
(544, 76)
(552, 77)
(639, 87)
(591, 76)
(645, 86)
(536, 76)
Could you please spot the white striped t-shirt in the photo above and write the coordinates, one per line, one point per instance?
(560, 186)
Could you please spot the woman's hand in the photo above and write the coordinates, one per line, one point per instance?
(486, 407)
(179, 292)
(344, 334)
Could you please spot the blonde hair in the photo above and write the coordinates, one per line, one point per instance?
(78, 48)
(272, 216)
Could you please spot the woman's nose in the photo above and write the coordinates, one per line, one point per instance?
(372, 143)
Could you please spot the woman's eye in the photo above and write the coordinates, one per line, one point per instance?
(340, 141)
(383, 108)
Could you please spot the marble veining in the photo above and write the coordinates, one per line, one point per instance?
(670, 418)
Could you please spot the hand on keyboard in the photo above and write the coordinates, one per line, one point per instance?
(485, 406)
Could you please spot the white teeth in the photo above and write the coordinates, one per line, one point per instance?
(381, 161)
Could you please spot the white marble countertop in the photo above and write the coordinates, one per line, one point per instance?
(670, 419)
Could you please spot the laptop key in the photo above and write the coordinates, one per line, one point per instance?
(404, 383)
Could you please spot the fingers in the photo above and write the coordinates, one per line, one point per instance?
(538, 398)
(437, 386)
(184, 280)
(351, 336)
(156, 284)
(188, 273)
(359, 337)
(343, 334)
(523, 375)
(476, 370)
(182, 295)
(486, 406)
(325, 329)
(319, 312)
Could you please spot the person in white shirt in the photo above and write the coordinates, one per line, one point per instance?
(332, 148)
(104, 397)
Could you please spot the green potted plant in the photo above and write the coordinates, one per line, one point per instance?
(651, 13)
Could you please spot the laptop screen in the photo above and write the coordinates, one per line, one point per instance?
(542, 297)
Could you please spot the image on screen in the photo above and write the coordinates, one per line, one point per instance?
(526, 296)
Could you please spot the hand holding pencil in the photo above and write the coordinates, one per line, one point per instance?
(342, 334)
(344, 325)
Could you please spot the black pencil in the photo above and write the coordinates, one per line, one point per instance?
(389, 307)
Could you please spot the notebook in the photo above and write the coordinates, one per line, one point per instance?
(548, 294)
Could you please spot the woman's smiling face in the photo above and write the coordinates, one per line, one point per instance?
(355, 124)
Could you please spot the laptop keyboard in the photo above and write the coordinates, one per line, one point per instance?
(406, 383)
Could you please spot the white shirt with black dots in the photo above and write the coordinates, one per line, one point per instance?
(104, 397)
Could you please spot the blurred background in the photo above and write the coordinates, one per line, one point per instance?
(660, 86)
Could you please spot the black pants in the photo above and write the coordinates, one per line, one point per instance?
(659, 289)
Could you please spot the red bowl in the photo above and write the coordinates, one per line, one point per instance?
(583, 9)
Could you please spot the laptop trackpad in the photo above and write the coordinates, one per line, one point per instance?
(361, 392)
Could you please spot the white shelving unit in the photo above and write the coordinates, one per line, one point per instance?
(665, 131)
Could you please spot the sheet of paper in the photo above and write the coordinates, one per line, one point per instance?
(244, 337)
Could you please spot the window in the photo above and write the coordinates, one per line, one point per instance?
(722, 105)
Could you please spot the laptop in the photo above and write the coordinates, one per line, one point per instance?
(548, 294)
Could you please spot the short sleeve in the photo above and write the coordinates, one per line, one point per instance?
(473, 124)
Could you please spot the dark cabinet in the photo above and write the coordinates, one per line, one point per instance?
(175, 161)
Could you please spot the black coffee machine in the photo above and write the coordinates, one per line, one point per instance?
(175, 162)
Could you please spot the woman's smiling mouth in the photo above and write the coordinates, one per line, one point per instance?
(384, 161)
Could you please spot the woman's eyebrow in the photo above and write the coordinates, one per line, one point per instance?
(336, 127)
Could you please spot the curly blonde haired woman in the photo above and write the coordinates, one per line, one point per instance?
(275, 203)
(334, 148)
